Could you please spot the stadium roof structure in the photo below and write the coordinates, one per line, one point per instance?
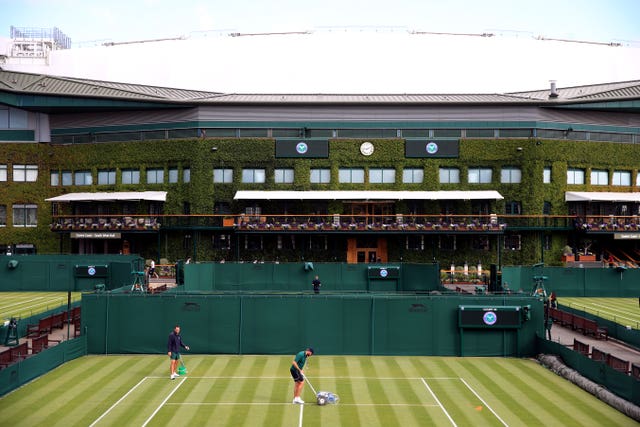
(38, 90)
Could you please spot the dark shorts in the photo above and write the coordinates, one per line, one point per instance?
(297, 376)
(175, 355)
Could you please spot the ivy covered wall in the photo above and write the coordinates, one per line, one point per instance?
(530, 155)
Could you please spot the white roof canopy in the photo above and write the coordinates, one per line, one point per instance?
(156, 196)
(367, 195)
(604, 196)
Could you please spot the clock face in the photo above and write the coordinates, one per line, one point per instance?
(366, 148)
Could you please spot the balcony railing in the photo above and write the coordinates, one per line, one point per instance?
(315, 222)
(608, 223)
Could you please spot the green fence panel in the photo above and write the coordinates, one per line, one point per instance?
(282, 323)
(51, 273)
(629, 334)
(576, 282)
(297, 277)
(22, 372)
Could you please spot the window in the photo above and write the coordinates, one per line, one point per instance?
(447, 242)
(479, 175)
(415, 243)
(449, 176)
(480, 243)
(186, 175)
(546, 175)
(25, 216)
(546, 208)
(106, 177)
(155, 176)
(510, 175)
(284, 176)
(25, 173)
(3, 215)
(173, 175)
(55, 178)
(320, 176)
(255, 176)
(67, 178)
(130, 176)
(3, 172)
(622, 178)
(599, 177)
(413, 175)
(382, 176)
(513, 208)
(575, 176)
(512, 242)
(83, 178)
(351, 175)
(223, 176)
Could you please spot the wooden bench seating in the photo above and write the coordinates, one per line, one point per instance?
(44, 326)
(591, 327)
(41, 343)
(58, 319)
(5, 358)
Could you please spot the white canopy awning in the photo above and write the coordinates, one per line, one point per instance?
(604, 196)
(367, 195)
(156, 196)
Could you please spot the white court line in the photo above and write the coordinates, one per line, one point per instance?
(484, 403)
(280, 377)
(119, 400)
(163, 402)
(420, 405)
(300, 419)
(439, 404)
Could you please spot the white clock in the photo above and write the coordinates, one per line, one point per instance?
(366, 148)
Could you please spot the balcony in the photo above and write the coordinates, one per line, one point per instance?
(68, 223)
(608, 223)
(394, 223)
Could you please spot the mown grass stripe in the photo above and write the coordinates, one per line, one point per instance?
(553, 397)
(48, 399)
(512, 391)
(275, 414)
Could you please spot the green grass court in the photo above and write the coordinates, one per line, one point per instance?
(257, 390)
(25, 304)
(624, 311)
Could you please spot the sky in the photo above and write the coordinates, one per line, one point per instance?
(353, 46)
(122, 20)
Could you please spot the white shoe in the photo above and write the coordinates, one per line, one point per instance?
(298, 400)
(173, 376)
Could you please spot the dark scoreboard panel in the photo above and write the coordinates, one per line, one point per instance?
(390, 272)
(91, 271)
(476, 316)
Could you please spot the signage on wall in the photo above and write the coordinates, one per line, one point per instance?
(95, 235)
(302, 148)
(432, 148)
(470, 316)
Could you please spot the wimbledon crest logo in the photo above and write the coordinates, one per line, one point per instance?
(432, 148)
(302, 147)
(490, 318)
